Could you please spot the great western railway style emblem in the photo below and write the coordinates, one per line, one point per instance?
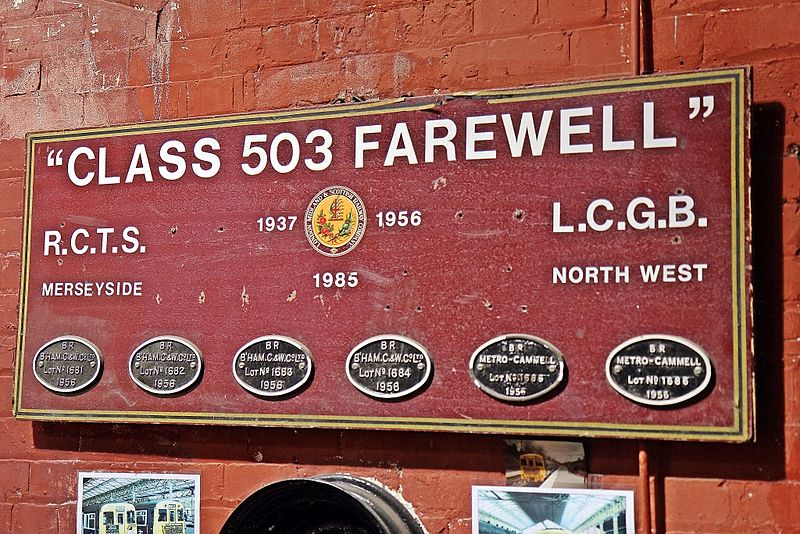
(466, 263)
(335, 221)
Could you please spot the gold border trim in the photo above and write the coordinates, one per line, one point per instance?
(558, 428)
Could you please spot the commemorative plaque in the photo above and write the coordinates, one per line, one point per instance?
(273, 366)
(165, 365)
(517, 367)
(389, 367)
(659, 370)
(579, 212)
(67, 364)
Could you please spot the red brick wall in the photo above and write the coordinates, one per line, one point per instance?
(71, 64)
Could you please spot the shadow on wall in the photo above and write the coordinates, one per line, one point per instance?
(313, 447)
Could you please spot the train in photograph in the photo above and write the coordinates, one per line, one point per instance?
(532, 467)
(160, 517)
(154, 517)
(546, 527)
(109, 518)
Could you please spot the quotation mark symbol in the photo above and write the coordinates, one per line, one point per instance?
(54, 158)
(696, 104)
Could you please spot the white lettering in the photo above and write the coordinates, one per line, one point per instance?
(608, 132)
(648, 220)
(172, 159)
(361, 145)
(102, 179)
(473, 136)
(680, 211)
(590, 212)
(140, 165)
(650, 140)
(431, 141)
(401, 134)
(527, 129)
(74, 178)
(80, 232)
(667, 273)
(206, 157)
(568, 130)
(557, 226)
(324, 149)
(52, 238)
(294, 159)
(592, 274)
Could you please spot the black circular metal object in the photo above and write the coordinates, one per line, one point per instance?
(517, 367)
(165, 365)
(328, 504)
(659, 370)
(273, 366)
(389, 367)
(67, 364)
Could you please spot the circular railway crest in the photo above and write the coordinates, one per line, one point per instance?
(335, 221)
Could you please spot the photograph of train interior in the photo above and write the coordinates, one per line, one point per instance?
(138, 506)
(536, 511)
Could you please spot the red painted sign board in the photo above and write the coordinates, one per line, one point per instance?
(258, 269)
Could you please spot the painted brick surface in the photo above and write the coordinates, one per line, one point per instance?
(68, 65)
